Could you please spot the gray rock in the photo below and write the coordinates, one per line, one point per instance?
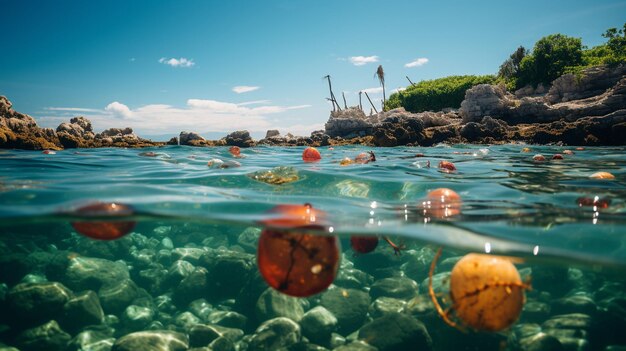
(178, 271)
(186, 320)
(249, 239)
(275, 334)
(83, 310)
(159, 340)
(228, 271)
(87, 273)
(202, 335)
(541, 342)
(228, 319)
(396, 287)
(91, 340)
(574, 304)
(136, 318)
(386, 305)
(48, 336)
(201, 308)
(272, 133)
(189, 254)
(350, 278)
(239, 138)
(318, 324)
(193, 287)
(396, 332)
(272, 304)
(115, 298)
(349, 306)
(34, 303)
(356, 346)
(535, 312)
(185, 137)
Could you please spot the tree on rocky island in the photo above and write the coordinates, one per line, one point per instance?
(551, 57)
(510, 67)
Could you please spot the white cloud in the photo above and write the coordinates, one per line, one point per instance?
(244, 89)
(119, 109)
(70, 109)
(198, 115)
(378, 90)
(417, 63)
(181, 62)
(255, 102)
(362, 60)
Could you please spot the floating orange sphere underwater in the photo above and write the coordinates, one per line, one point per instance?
(442, 203)
(310, 154)
(487, 292)
(363, 244)
(295, 262)
(539, 158)
(104, 230)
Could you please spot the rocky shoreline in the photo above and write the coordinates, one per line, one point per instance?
(584, 109)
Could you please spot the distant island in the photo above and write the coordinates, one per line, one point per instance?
(560, 92)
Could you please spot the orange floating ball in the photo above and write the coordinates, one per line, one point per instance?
(487, 292)
(539, 158)
(568, 152)
(295, 216)
(447, 166)
(557, 157)
(526, 149)
(363, 244)
(104, 230)
(365, 157)
(602, 175)
(235, 151)
(310, 154)
(442, 203)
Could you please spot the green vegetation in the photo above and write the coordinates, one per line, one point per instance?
(437, 94)
(557, 54)
(551, 57)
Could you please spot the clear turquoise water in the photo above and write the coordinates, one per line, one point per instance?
(512, 204)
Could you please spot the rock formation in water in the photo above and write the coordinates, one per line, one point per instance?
(20, 131)
(589, 109)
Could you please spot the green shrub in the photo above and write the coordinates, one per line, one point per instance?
(437, 94)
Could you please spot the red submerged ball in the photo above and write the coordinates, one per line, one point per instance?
(363, 244)
(593, 202)
(295, 216)
(311, 154)
(104, 230)
(296, 263)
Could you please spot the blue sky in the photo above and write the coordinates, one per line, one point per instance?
(217, 66)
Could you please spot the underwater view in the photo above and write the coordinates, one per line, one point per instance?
(462, 247)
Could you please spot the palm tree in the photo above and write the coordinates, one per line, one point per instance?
(381, 78)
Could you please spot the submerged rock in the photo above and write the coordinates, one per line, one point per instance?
(87, 273)
(272, 304)
(48, 336)
(275, 334)
(83, 310)
(158, 340)
(349, 306)
(92, 340)
(34, 303)
(396, 332)
(318, 324)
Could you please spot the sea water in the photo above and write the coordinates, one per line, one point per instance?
(191, 217)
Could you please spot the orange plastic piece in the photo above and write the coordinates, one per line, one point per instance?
(602, 175)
